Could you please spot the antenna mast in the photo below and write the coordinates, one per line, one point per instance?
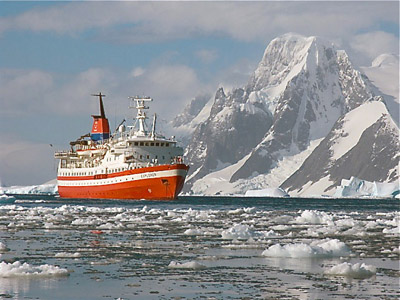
(100, 95)
(141, 114)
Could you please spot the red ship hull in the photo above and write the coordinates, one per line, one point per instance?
(151, 183)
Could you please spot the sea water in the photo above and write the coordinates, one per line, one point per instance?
(199, 248)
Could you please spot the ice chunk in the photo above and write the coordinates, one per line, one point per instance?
(319, 248)
(358, 270)
(239, 232)
(361, 188)
(395, 230)
(68, 255)
(188, 265)
(271, 192)
(18, 269)
(314, 217)
(193, 231)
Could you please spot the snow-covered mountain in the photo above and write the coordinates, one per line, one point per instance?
(384, 74)
(364, 143)
(259, 135)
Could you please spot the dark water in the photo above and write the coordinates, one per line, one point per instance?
(199, 248)
(195, 202)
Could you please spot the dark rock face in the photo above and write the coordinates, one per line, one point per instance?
(191, 110)
(375, 157)
(301, 87)
(234, 127)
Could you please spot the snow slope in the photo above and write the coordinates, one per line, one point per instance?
(364, 143)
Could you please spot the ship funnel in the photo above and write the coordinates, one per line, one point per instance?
(100, 128)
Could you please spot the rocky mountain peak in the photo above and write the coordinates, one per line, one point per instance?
(300, 88)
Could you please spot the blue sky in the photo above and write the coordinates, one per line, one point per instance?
(53, 55)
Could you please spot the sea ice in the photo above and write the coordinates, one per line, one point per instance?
(239, 232)
(18, 269)
(67, 255)
(358, 270)
(314, 217)
(317, 248)
(193, 231)
(188, 265)
(395, 230)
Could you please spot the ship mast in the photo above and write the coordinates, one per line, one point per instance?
(141, 114)
(102, 113)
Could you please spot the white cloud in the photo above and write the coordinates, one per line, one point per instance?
(32, 91)
(375, 43)
(170, 86)
(21, 90)
(138, 71)
(25, 163)
(206, 56)
(245, 21)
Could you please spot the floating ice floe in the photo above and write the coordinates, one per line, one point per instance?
(271, 192)
(314, 217)
(358, 270)
(318, 248)
(193, 231)
(67, 255)
(18, 269)
(188, 265)
(395, 230)
(355, 187)
(245, 232)
(239, 232)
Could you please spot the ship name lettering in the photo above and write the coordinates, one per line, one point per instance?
(148, 175)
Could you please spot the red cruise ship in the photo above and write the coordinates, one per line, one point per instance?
(132, 163)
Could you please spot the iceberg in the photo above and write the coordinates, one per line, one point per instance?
(270, 192)
(357, 271)
(355, 187)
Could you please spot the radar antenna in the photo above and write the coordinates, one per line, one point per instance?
(141, 114)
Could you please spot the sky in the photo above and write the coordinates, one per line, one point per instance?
(54, 55)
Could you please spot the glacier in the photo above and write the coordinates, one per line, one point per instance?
(356, 188)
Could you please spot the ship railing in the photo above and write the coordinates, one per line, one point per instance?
(177, 160)
(64, 154)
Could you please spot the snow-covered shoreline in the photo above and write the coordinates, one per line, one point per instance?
(41, 189)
